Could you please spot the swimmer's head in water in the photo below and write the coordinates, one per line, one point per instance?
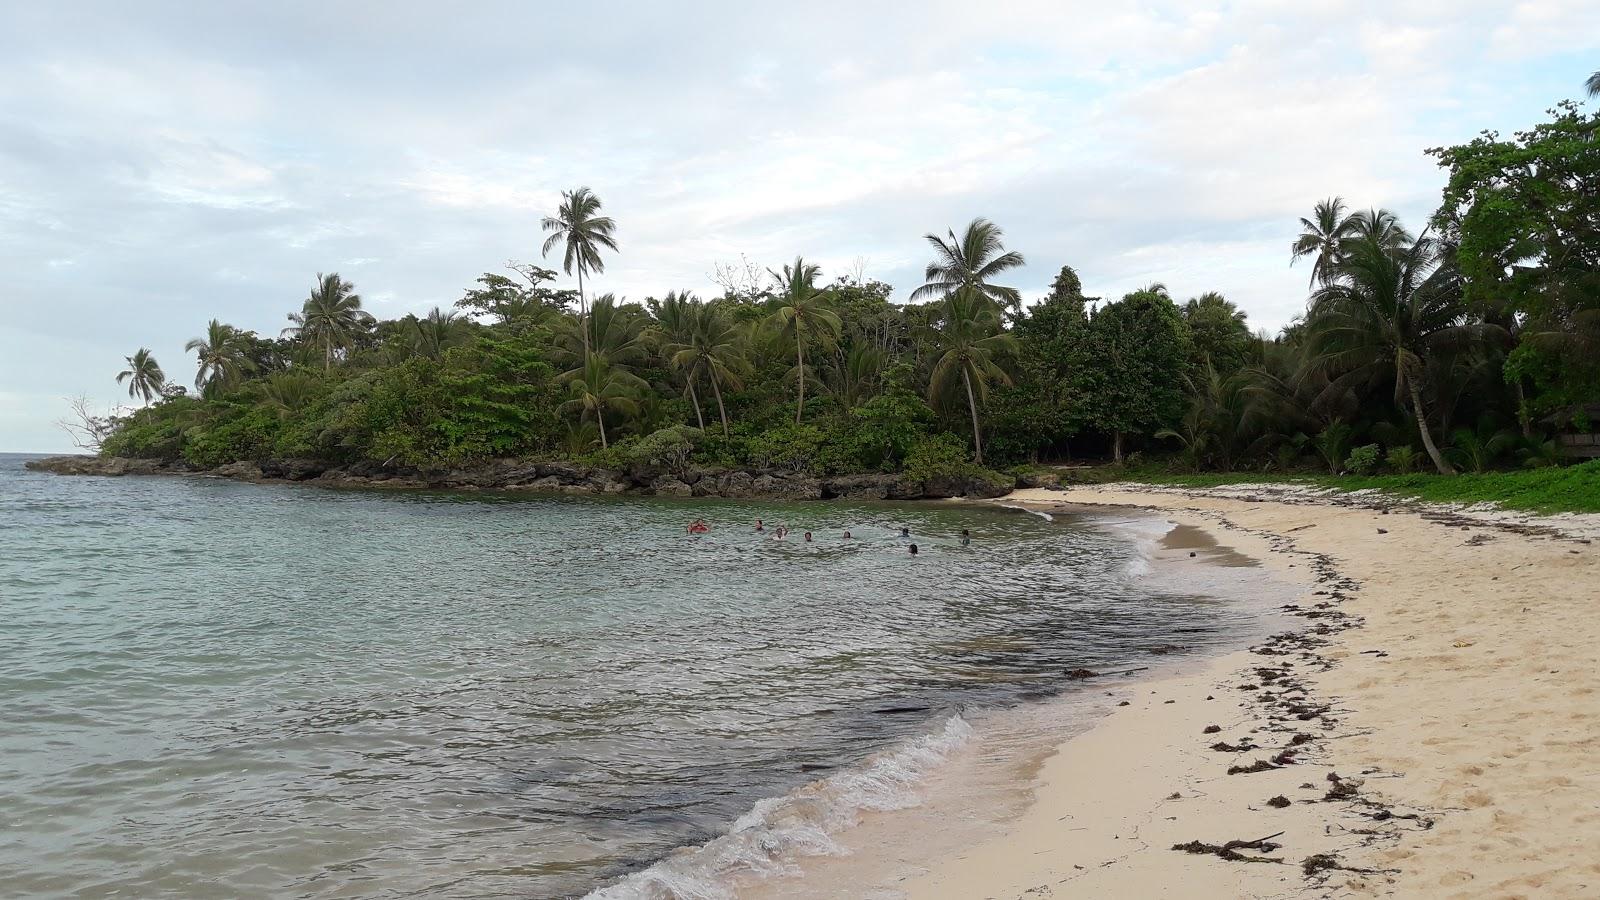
(808, 535)
(904, 531)
(913, 549)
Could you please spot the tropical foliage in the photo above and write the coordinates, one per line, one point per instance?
(1466, 343)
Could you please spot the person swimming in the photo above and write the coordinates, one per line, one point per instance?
(780, 533)
(966, 537)
(905, 531)
(698, 526)
(913, 549)
(808, 537)
(847, 534)
(759, 526)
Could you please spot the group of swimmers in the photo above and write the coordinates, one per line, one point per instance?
(700, 526)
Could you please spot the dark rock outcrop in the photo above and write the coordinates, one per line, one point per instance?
(554, 477)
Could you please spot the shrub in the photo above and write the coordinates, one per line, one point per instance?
(1362, 460)
(790, 448)
(941, 455)
(668, 448)
(1402, 458)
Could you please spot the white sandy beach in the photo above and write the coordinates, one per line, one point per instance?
(1458, 704)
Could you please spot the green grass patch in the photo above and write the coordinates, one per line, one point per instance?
(1549, 490)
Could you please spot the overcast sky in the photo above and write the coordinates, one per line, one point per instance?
(163, 164)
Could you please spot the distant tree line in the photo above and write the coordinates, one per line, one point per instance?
(1463, 344)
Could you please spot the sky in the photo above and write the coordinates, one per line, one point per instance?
(163, 164)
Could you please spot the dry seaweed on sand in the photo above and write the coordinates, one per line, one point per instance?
(1230, 850)
(1259, 765)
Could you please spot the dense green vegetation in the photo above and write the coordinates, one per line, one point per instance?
(1465, 345)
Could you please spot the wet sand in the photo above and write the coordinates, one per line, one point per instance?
(1430, 728)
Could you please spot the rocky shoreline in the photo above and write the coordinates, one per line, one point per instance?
(558, 478)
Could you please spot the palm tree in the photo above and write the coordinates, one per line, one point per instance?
(1382, 226)
(332, 317)
(1389, 312)
(614, 332)
(802, 307)
(220, 359)
(677, 318)
(436, 332)
(702, 339)
(1592, 85)
(1322, 237)
(144, 376)
(579, 225)
(597, 387)
(288, 392)
(970, 262)
(970, 340)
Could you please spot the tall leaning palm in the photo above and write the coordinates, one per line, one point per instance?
(970, 262)
(802, 308)
(220, 361)
(143, 375)
(331, 318)
(1391, 311)
(579, 226)
(1592, 85)
(1322, 238)
(970, 343)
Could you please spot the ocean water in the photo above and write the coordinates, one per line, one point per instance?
(215, 689)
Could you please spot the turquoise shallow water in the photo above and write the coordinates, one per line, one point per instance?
(217, 689)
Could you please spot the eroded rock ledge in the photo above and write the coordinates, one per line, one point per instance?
(554, 477)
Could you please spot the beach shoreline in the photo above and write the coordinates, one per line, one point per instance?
(1439, 710)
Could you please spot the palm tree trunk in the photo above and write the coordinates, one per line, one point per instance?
(695, 399)
(600, 419)
(800, 360)
(583, 326)
(1116, 446)
(972, 404)
(327, 354)
(721, 410)
(1427, 436)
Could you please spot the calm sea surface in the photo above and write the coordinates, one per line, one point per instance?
(214, 689)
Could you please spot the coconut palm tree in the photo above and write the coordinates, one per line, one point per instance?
(579, 226)
(221, 361)
(143, 375)
(331, 317)
(1384, 227)
(802, 308)
(1389, 312)
(970, 344)
(703, 340)
(437, 332)
(288, 392)
(597, 388)
(1592, 85)
(971, 261)
(1322, 238)
(677, 317)
(615, 333)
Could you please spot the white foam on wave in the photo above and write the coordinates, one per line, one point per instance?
(1038, 512)
(1146, 532)
(778, 831)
